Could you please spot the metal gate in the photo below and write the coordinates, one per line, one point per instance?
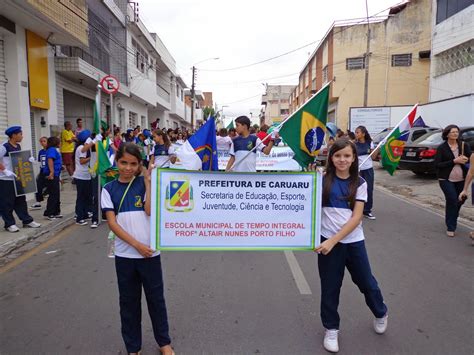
(3, 94)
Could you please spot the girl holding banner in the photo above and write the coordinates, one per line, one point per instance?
(127, 205)
(342, 241)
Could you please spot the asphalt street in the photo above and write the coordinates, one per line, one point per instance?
(62, 298)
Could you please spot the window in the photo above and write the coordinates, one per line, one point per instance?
(325, 74)
(448, 8)
(401, 60)
(132, 119)
(141, 57)
(454, 58)
(355, 63)
(284, 111)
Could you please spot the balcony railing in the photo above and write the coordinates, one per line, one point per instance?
(163, 93)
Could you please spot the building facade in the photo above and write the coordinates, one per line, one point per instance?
(276, 103)
(452, 71)
(52, 55)
(398, 63)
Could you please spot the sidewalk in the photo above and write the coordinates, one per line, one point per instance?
(424, 190)
(11, 241)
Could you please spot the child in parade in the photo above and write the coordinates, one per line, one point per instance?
(41, 178)
(162, 152)
(141, 145)
(240, 159)
(126, 203)
(149, 143)
(83, 177)
(9, 202)
(364, 147)
(53, 173)
(342, 241)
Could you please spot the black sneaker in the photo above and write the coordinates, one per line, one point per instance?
(35, 206)
(369, 215)
(51, 218)
(81, 222)
(58, 216)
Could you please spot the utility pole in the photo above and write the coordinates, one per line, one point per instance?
(366, 61)
(192, 97)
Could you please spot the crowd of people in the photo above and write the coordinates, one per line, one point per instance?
(347, 196)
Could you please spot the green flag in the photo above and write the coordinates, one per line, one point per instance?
(103, 167)
(96, 113)
(230, 125)
(304, 130)
(392, 150)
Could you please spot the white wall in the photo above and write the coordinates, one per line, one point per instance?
(456, 83)
(16, 70)
(128, 105)
(142, 85)
(453, 31)
(458, 111)
(447, 34)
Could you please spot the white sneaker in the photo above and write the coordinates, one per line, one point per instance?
(32, 225)
(331, 343)
(35, 206)
(380, 324)
(13, 228)
(369, 216)
(81, 222)
(94, 224)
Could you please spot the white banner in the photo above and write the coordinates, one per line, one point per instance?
(279, 159)
(235, 211)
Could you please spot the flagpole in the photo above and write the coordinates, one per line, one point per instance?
(99, 214)
(383, 141)
(277, 128)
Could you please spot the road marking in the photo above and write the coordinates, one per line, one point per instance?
(419, 205)
(21, 259)
(298, 275)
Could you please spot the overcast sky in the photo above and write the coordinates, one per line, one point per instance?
(244, 32)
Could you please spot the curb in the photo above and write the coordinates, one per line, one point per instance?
(66, 221)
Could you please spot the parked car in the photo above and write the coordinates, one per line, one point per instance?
(413, 134)
(420, 155)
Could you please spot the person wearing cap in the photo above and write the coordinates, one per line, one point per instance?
(82, 176)
(67, 147)
(9, 202)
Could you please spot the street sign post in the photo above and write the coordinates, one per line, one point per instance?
(110, 85)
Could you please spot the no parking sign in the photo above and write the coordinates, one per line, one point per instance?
(110, 84)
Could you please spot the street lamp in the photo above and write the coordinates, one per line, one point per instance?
(192, 87)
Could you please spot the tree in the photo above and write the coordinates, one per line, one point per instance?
(207, 111)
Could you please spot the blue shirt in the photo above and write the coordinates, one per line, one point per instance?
(57, 161)
(336, 211)
(42, 160)
(131, 217)
(363, 151)
(240, 148)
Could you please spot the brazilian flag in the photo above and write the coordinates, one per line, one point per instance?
(304, 130)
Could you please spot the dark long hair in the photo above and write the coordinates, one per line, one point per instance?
(331, 172)
(132, 149)
(365, 132)
(166, 139)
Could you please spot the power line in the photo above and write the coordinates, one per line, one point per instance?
(262, 61)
